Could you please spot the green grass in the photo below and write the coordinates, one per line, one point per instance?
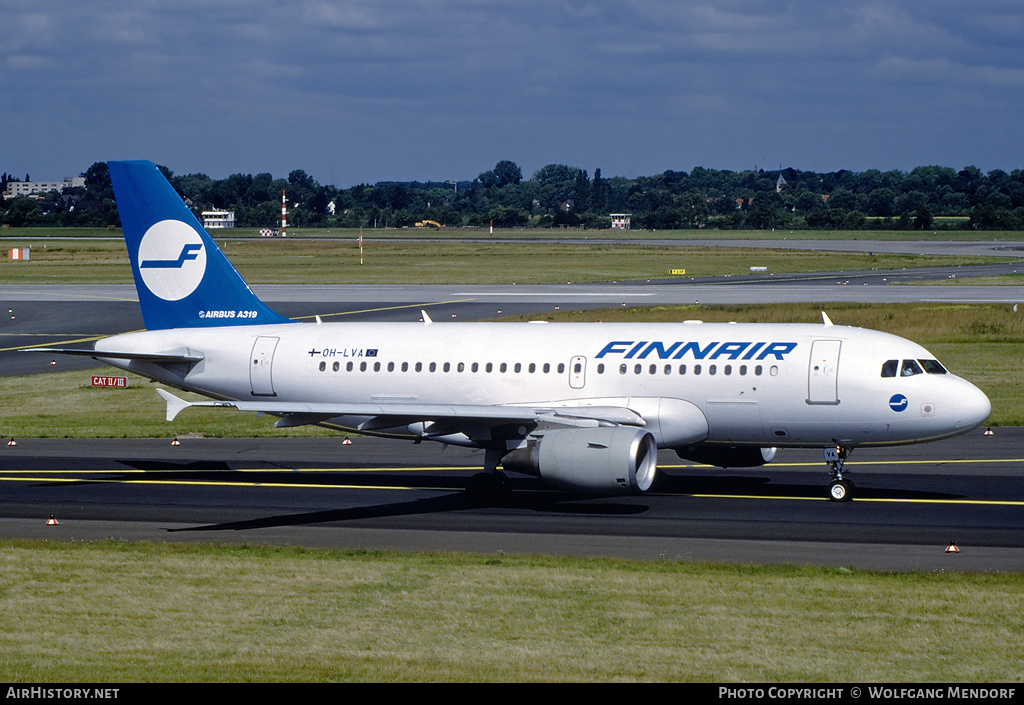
(263, 261)
(111, 612)
(998, 280)
(66, 405)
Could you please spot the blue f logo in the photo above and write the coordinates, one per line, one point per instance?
(189, 252)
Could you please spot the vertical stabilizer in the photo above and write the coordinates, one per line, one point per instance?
(182, 278)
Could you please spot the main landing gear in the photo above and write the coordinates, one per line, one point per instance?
(839, 489)
(490, 486)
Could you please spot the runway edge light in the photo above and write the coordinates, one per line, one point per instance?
(952, 548)
(52, 521)
(175, 442)
(988, 432)
(12, 442)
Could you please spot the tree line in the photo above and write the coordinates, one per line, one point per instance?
(924, 198)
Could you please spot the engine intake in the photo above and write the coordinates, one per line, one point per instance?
(618, 459)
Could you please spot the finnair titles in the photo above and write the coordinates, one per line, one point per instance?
(710, 351)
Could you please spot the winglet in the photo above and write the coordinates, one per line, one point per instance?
(426, 318)
(825, 319)
(174, 405)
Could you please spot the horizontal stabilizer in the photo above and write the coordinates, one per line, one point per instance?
(167, 357)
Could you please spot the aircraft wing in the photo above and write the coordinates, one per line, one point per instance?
(389, 415)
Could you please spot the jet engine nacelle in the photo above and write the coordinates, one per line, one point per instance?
(617, 459)
(734, 457)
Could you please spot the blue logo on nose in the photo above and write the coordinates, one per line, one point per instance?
(188, 252)
(897, 402)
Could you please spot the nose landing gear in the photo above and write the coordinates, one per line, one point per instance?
(839, 489)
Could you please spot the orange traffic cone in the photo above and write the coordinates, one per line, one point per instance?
(952, 548)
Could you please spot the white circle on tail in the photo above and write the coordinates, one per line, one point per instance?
(172, 259)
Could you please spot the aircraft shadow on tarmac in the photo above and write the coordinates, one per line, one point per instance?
(527, 492)
(521, 493)
(452, 502)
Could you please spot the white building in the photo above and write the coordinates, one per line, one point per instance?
(218, 219)
(620, 221)
(27, 188)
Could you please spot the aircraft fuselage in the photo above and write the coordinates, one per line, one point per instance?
(755, 384)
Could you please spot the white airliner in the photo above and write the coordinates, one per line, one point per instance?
(584, 406)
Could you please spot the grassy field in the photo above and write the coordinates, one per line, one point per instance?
(111, 612)
(263, 261)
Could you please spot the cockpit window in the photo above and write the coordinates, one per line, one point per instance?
(932, 367)
(910, 368)
(889, 368)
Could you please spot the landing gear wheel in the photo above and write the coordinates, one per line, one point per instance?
(841, 491)
(489, 487)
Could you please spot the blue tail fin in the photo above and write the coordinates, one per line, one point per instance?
(182, 277)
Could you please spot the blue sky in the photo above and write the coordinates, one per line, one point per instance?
(371, 90)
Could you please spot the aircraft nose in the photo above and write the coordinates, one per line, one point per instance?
(972, 406)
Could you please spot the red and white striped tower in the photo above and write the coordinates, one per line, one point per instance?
(284, 215)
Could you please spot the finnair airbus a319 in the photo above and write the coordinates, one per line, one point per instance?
(583, 406)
